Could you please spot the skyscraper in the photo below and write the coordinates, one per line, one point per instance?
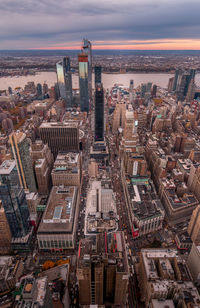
(65, 80)
(131, 87)
(13, 199)
(99, 113)
(83, 81)
(175, 81)
(97, 72)
(20, 150)
(102, 270)
(39, 91)
(63, 137)
(87, 49)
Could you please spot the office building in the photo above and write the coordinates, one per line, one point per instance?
(194, 226)
(119, 117)
(99, 113)
(64, 78)
(60, 137)
(183, 85)
(102, 270)
(101, 212)
(39, 91)
(5, 234)
(20, 147)
(13, 200)
(164, 276)
(193, 263)
(97, 75)
(87, 49)
(131, 87)
(146, 213)
(177, 208)
(43, 163)
(35, 293)
(57, 230)
(10, 272)
(67, 170)
(83, 82)
(176, 79)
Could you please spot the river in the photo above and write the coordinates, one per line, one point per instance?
(160, 79)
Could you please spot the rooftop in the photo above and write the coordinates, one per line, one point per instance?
(7, 166)
(69, 124)
(60, 210)
(101, 213)
(104, 246)
(145, 201)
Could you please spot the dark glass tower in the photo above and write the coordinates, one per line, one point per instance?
(99, 113)
(83, 81)
(39, 91)
(64, 78)
(97, 72)
(14, 200)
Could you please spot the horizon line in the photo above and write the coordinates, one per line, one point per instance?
(95, 49)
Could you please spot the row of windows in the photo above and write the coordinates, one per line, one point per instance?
(56, 244)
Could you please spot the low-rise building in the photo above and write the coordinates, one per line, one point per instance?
(101, 212)
(57, 229)
(10, 271)
(67, 169)
(145, 208)
(35, 293)
(163, 275)
(177, 208)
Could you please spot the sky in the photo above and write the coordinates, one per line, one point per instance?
(108, 24)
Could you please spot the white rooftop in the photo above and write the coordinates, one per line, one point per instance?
(7, 166)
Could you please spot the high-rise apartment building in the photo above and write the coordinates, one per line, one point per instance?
(99, 113)
(194, 226)
(87, 49)
(97, 75)
(20, 150)
(102, 270)
(83, 81)
(60, 137)
(65, 80)
(13, 199)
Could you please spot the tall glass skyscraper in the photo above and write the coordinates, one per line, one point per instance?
(20, 147)
(99, 113)
(83, 81)
(87, 49)
(64, 78)
(13, 199)
(97, 73)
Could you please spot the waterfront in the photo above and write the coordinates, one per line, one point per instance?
(108, 79)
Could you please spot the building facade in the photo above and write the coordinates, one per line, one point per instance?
(20, 147)
(60, 137)
(83, 82)
(99, 113)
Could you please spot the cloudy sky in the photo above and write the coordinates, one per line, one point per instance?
(109, 24)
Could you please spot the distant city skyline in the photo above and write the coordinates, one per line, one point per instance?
(148, 24)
